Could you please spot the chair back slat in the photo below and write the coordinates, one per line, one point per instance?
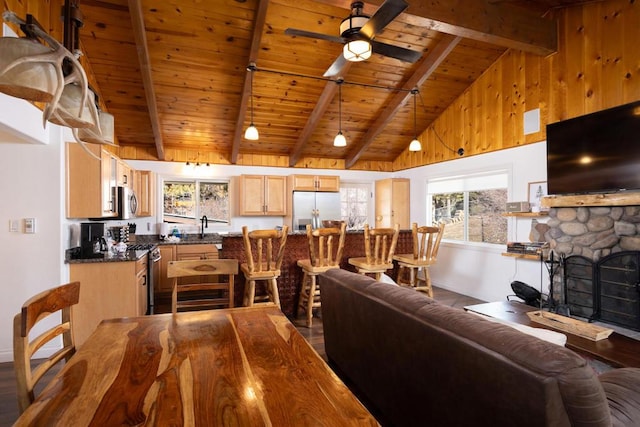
(326, 245)
(262, 259)
(426, 241)
(59, 299)
(380, 244)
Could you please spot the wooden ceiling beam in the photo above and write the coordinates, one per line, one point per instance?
(483, 20)
(139, 34)
(323, 103)
(428, 64)
(258, 27)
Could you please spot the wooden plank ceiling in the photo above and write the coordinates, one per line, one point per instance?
(174, 73)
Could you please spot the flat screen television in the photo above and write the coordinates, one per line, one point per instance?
(595, 153)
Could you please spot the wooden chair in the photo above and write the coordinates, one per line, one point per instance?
(59, 299)
(325, 252)
(426, 242)
(262, 264)
(379, 246)
(205, 280)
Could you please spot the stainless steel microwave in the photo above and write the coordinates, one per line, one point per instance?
(127, 203)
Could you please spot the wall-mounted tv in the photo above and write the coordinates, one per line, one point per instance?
(595, 153)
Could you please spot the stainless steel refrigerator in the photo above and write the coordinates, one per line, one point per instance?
(311, 207)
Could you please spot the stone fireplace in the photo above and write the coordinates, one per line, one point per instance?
(599, 274)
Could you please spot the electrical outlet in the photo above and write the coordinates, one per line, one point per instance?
(30, 225)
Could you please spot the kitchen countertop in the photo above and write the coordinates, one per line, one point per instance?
(72, 255)
(129, 255)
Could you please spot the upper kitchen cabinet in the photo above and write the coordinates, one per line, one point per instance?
(144, 187)
(124, 175)
(261, 195)
(392, 202)
(315, 183)
(90, 182)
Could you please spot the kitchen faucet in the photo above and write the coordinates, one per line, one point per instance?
(204, 223)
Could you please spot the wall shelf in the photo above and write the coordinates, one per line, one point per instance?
(522, 256)
(526, 214)
(612, 199)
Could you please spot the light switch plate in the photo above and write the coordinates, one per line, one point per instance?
(30, 225)
(14, 225)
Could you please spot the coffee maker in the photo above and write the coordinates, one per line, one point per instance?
(92, 239)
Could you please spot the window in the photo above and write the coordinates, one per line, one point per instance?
(354, 204)
(187, 201)
(471, 206)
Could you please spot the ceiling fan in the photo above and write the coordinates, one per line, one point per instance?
(357, 33)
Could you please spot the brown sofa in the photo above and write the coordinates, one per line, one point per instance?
(416, 362)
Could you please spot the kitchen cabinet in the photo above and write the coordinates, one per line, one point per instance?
(124, 174)
(90, 182)
(144, 187)
(181, 252)
(107, 290)
(262, 195)
(315, 183)
(392, 203)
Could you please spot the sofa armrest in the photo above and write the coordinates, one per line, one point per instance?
(622, 388)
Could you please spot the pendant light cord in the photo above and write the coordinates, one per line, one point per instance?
(339, 82)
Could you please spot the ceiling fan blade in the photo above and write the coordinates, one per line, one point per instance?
(303, 33)
(336, 68)
(385, 14)
(397, 52)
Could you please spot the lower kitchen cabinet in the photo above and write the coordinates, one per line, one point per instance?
(107, 290)
(181, 252)
(167, 253)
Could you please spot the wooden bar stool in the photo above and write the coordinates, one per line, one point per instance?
(426, 242)
(379, 246)
(325, 252)
(261, 264)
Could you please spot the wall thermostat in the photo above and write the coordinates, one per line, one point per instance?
(30, 225)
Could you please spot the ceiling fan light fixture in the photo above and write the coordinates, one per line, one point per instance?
(251, 133)
(357, 50)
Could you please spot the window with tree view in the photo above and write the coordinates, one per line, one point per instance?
(187, 201)
(471, 206)
(354, 204)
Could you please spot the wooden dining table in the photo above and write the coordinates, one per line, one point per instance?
(230, 367)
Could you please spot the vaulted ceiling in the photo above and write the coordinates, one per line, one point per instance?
(174, 73)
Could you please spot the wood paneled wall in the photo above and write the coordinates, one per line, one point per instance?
(596, 67)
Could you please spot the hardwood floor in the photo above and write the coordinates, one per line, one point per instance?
(9, 407)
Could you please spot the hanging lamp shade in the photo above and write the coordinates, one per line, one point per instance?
(340, 140)
(23, 74)
(251, 133)
(415, 144)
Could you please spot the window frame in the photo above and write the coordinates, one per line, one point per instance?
(198, 214)
(464, 176)
(362, 185)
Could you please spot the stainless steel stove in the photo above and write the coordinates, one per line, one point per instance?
(153, 269)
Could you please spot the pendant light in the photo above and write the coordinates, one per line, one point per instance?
(339, 140)
(252, 131)
(415, 144)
